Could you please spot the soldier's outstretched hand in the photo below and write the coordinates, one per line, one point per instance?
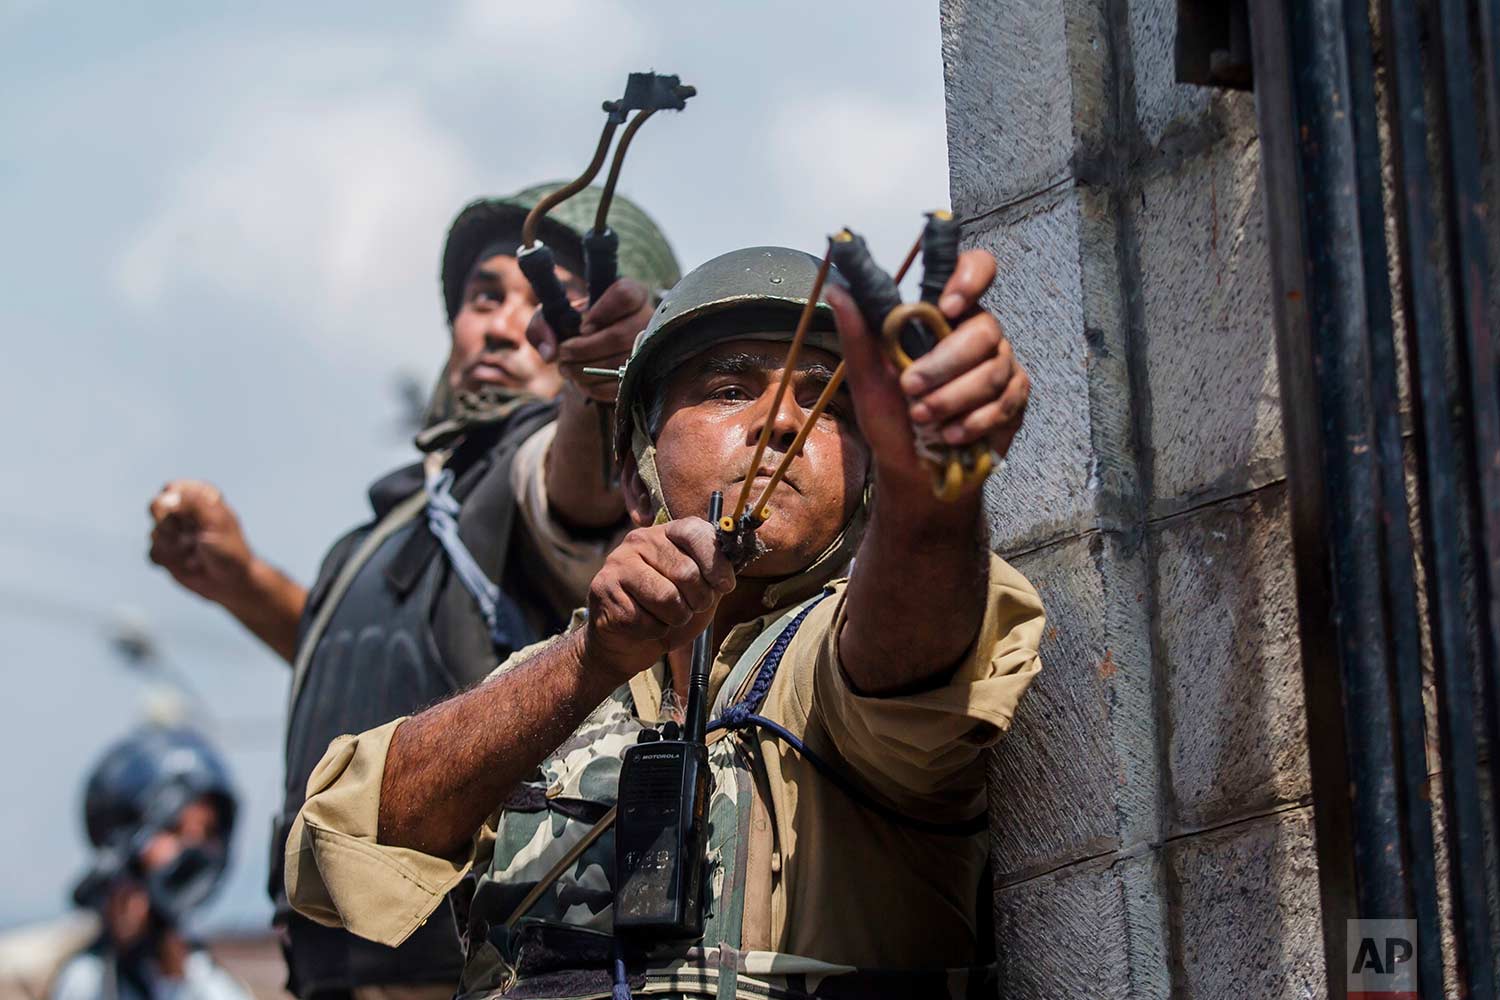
(657, 590)
(196, 536)
(968, 388)
(603, 340)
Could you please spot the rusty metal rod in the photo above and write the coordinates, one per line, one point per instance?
(601, 215)
(562, 194)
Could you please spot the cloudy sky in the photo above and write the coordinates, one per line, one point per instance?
(219, 235)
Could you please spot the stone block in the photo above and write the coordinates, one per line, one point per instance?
(1076, 776)
(1160, 101)
(1171, 116)
(1046, 289)
(1246, 920)
(1025, 83)
(1227, 640)
(1092, 930)
(1213, 411)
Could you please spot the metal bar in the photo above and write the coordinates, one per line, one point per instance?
(1356, 576)
(695, 722)
(601, 213)
(1339, 312)
(1469, 217)
(1314, 67)
(1468, 273)
(1489, 15)
(1489, 31)
(1301, 426)
(1398, 556)
(1467, 220)
(1433, 404)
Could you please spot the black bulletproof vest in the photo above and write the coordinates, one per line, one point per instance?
(405, 635)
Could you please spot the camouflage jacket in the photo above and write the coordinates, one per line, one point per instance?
(540, 923)
(835, 875)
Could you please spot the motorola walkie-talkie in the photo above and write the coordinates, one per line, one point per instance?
(661, 829)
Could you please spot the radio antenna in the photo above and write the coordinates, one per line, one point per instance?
(696, 722)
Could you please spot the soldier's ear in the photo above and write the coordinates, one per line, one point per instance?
(637, 496)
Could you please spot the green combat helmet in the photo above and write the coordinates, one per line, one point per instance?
(645, 254)
(751, 294)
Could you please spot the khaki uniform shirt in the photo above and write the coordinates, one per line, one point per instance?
(569, 561)
(828, 879)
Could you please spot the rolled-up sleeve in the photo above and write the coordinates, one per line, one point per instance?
(570, 561)
(922, 748)
(336, 872)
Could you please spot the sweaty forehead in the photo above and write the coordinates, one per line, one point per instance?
(754, 352)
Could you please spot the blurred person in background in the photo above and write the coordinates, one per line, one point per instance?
(159, 811)
(479, 549)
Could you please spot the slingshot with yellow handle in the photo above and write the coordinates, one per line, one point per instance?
(911, 329)
(953, 468)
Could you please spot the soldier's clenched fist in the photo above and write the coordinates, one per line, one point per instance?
(655, 593)
(608, 331)
(968, 389)
(196, 537)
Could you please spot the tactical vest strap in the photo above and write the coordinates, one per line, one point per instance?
(501, 616)
(729, 973)
(743, 714)
(751, 658)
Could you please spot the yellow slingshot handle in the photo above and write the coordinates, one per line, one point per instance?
(960, 466)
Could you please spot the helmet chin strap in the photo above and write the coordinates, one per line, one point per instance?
(827, 567)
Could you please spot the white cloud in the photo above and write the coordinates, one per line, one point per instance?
(334, 211)
(869, 164)
(545, 34)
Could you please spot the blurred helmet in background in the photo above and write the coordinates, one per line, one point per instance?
(137, 795)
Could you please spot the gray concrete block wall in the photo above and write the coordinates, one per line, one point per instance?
(1245, 919)
(1086, 930)
(1009, 130)
(1209, 358)
(1227, 642)
(1051, 462)
(1150, 808)
(1083, 755)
